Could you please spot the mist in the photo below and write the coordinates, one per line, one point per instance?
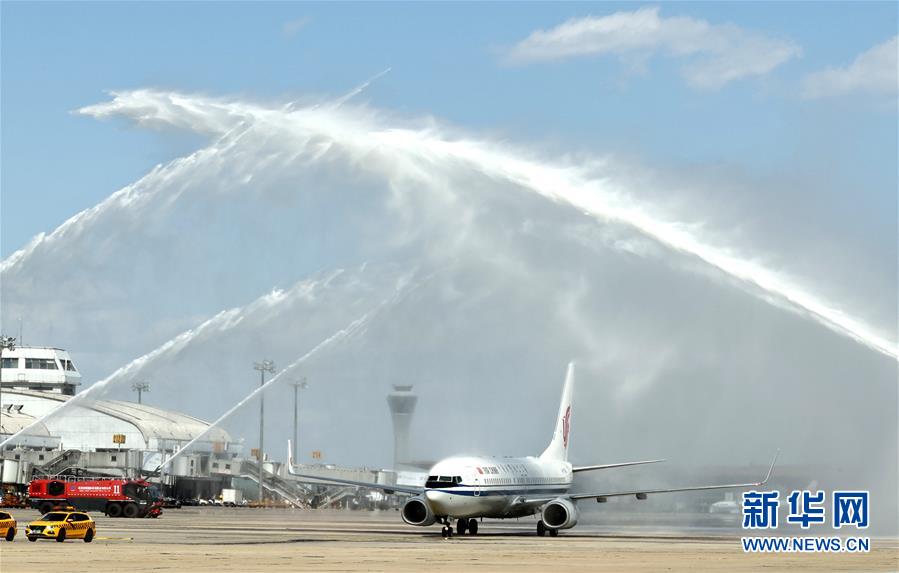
(693, 343)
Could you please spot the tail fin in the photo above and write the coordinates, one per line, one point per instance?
(558, 447)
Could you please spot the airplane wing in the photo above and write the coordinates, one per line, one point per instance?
(386, 488)
(641, 494)
(618, 465)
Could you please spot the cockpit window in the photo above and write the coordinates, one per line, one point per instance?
(443, 481)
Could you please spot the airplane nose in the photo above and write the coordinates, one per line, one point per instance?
(436, 500)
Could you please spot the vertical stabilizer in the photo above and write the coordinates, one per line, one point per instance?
(558, 447)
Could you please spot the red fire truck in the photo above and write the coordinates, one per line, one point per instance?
(116, 497)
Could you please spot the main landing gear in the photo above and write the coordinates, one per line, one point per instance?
(463, 526)
(467, 525)
(543, 530)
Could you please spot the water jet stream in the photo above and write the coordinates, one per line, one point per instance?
(222, 322)
(403, 153)
(344, 333)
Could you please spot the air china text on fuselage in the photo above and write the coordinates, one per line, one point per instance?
(463, 489)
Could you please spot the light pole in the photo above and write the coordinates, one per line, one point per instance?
(262, 367)
(297, 386)
(140, 388)
(6, 343)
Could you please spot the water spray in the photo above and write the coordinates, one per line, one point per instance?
(229, 120)
(342, 334)
(415, 152)
(359, 89)
(221, 322)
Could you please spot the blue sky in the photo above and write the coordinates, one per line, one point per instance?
(447, 60)
(759, 138)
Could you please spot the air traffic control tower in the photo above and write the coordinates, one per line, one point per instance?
(402, 406)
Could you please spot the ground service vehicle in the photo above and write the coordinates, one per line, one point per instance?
(7, 526)
(116, 497)
(62, 525)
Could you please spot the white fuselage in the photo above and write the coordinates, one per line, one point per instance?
(494, 487)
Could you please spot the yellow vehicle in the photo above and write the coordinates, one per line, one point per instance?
(62, 525)
(7, 526)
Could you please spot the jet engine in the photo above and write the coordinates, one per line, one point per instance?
(417, 511)
(560, 513)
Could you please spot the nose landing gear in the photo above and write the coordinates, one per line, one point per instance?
(447, 530)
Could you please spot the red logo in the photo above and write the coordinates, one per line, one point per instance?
(566, 425)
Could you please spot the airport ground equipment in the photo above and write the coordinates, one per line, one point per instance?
(116, 497)
(62, 525)
(232, 497)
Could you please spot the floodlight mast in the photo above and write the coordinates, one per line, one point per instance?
(297, 386)
(262, 367)
(140, 388)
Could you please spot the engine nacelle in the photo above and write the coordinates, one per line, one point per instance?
(560, 513)
(417, 511)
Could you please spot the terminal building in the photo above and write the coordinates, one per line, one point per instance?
(102, 437)
(128, 439)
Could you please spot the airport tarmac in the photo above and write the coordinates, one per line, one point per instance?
(216, 539)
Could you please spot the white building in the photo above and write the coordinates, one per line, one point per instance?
(91, 428)
(402, 406)
(40, 443)
(109, 437)
(39, 437)
(39, 368)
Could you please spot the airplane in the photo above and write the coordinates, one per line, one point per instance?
(467, 488)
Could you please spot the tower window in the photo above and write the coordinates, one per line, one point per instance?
(40, 364)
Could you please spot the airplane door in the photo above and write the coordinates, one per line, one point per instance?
(477, 486)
